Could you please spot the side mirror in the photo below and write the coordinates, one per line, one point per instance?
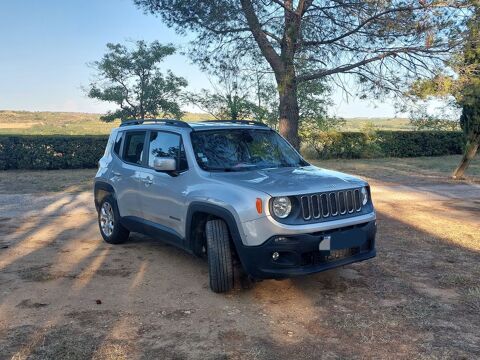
(164, 164)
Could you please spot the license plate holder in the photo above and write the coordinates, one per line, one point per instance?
(342, 240)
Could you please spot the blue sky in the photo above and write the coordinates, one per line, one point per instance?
(45, 47)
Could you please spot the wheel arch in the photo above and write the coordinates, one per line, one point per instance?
(197, 215)
(100, 190)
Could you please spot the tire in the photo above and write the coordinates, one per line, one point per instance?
(220, 263)
(114, 233)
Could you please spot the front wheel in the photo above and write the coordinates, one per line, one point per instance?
(109, 222)
(220, 264)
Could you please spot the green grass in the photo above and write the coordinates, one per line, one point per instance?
(66, 123)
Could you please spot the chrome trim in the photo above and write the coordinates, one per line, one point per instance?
(321, 205)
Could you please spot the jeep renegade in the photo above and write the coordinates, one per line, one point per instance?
(234, 192)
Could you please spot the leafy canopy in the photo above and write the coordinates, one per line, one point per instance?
(242, 91)
(380, 43)
(131, 78)
(461, 79)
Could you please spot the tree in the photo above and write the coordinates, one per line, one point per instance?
(379, 42)
(247, 91)
(229, 98)
(131, 78)
(463, 85)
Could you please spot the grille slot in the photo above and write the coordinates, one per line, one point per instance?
(316, 206)
(341, 203)
(324, 203)
(305, 200)
(318, 258)
(350, 206)
(331, 204)
(358, 201)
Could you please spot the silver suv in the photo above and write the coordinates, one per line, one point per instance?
(235, 193)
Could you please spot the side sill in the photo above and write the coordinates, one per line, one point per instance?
(156, 231)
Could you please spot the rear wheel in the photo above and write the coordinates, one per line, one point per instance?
(220, 263)
(109, 222)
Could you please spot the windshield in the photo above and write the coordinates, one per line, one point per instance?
(243, 149)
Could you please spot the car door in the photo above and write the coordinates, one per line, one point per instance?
(163, 193)
(126, 174)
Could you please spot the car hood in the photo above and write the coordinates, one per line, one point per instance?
(291, 181)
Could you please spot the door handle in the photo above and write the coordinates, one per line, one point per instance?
(116, 173)
(147, 181)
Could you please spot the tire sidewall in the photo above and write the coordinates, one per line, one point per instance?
(114, 237)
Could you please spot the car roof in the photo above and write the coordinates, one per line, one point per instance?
(228, 124)
(171, 124)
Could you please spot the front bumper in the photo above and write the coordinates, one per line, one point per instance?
(302, 254)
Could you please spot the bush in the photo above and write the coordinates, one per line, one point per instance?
(372, 144)
(51, 152)
(75, 152)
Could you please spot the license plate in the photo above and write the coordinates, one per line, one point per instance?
(325, 244)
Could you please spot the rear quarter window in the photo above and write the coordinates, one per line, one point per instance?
(118, 143)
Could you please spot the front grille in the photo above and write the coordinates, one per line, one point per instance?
(320, 257)
(331, 204)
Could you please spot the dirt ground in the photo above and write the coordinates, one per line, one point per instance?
(65, 294)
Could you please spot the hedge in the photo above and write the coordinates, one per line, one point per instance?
(51, 152)
(355, 145)
(74, 152)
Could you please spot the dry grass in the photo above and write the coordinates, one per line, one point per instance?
(415, 170)
(420, 169)
(44, 181)
(418, 299)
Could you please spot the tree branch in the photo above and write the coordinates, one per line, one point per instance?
(360, 26)
(260, 37)
(347, 67)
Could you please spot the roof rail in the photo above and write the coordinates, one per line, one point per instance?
(245, 122)
(172, 122)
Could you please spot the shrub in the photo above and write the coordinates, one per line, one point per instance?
(75, 152)
(51, 152)
(372, 144)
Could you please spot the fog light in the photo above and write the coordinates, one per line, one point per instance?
(281, 239)
(275, 255)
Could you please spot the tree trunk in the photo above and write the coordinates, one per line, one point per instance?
(470, 151)
(288, 110)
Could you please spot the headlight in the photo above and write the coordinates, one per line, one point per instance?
(281, 206)
(364, 192)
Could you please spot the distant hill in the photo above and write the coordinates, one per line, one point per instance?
(360, 123)
(71, 123)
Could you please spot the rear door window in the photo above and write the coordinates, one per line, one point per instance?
(133, 148)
